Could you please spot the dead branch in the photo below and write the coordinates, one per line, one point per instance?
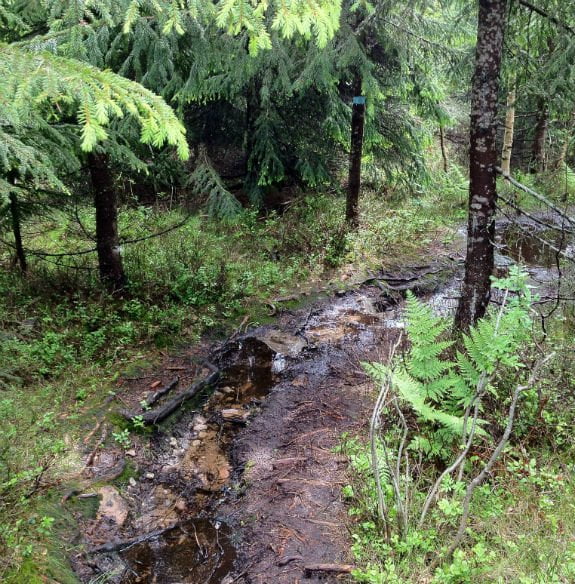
(161, 392)
(538, 238)
(333, 568)
(561, 229)
(489, 465)
(118, 546)
(92, 456)
(157, 415)
(548, 16)
(536, 195)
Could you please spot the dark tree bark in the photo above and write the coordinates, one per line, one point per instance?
(538, 157)
(356, 150)
(253, 111)
(107, 240)
(483, 161)
(15, 214)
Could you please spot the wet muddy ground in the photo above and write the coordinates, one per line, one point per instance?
(243, 483)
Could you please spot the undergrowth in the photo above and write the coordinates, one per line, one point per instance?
(521, 525)
(64, 341)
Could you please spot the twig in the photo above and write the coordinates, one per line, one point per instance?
(540, 239)
(334, 568)
(103, 437)
(159, 414)
(517, 208)
(118, 546)
(548, 16)
(162, 392)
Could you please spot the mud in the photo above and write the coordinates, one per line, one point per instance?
(243, 484)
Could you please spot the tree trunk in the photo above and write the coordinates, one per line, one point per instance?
(356, 150)
(15, 214)
(483, 161)
(509, 128)
(442, 145)
(562, 156)
(253, 111)
(107, 240)
(538, 157)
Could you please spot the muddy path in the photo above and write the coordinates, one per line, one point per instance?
(243, 482)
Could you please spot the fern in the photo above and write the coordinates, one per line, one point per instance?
(439, 389)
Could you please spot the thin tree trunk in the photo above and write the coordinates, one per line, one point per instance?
(509, 128)
(562, 156)
(107, 240)
(483, 161)
(442, 145)
(15, 214)
(538, 156)
(356, 150)
(253, 110)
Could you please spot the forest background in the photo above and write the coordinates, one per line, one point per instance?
(168, 167)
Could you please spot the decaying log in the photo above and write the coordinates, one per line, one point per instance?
(155, 397)
(333, 568)
(157, 415)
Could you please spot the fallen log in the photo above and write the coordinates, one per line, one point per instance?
(161, 392)
(157, 415)
(332, 568)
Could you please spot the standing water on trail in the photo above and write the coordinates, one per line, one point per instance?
(192, 503)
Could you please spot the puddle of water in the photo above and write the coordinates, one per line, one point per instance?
(252, 374)
(193, 552)
(526, 248)
(351, 316)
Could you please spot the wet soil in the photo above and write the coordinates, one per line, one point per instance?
(243, 483)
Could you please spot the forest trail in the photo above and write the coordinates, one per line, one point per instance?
(243, 484)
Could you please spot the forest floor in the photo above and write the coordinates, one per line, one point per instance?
(245, 483)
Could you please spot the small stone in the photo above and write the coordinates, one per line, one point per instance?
(234, 415)
(150, 475)
(132, 481)
(196, 443)
(173, 442)
(217, 395)
(228, 389)
(199, 420)
(224, 474)
(181, 505)
(200, 427)
(131, 452)
(202, 434)
(112, 506)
